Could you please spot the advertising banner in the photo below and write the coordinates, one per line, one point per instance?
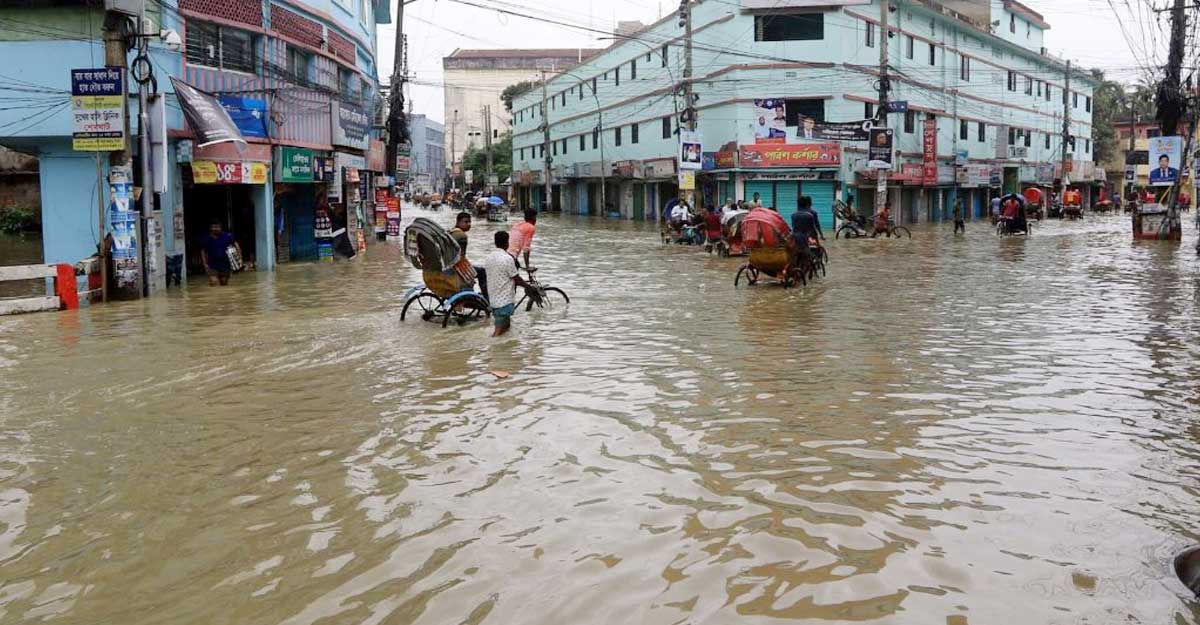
(98, 108)
(1166, 153)
(228, 172)
(206, 117)
(812, 130)
(690, 150)
(727, 159)
(974, 176)
(880, 152)
(295, 165)
(929, 142)
(800, 155)
(687, 180)
(123, 226)
(322, 169)
(770, 121)
(248, 114)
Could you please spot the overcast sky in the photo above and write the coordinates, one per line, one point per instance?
(1086, 31)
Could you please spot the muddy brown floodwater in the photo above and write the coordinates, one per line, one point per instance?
(945, 430)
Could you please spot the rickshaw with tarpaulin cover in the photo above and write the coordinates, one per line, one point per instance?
(769, 239)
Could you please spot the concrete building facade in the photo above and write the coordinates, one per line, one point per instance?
(474, 80)
(428, 153)
(985, 105)
(296, 76)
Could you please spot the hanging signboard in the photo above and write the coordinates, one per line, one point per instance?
(879, 152)
(295, 165)
(1166, 154)
(799, 155)
(687, 180)
(98, 107)
(228, 172)
(350, 126)
(812, 130)
(929, 136)
(205, 115)
(691, 152)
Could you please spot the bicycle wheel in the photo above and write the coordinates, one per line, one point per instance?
(552, 296)
(465, 308)
(430, 305)
(749, 272)
(901, 232)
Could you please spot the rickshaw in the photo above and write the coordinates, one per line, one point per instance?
(1072, 205)
(767, 236)
(496, 210)
(677, 231)
(448, 293)
(731, 227)
(1013, 219)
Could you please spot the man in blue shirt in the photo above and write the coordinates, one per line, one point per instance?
(214, 251)
(805, 226)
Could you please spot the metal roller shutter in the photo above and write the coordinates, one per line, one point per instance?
(822, 197)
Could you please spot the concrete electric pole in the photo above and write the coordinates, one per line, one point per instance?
(881, 190)
(549, 160)
(487, 141)
(116, 51)
(397, 125)
(1066, 131)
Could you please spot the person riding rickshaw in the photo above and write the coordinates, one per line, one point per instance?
(1013, 219)
(731, 228)
(772, 250)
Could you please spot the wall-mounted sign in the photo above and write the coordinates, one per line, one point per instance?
(799, 155)
(98, 107)
(295, 165)
(350, 125)
(687, 180)
(228, 172)
(690, 150)
(929, 152)
(322, 169)
(248, 114)
(879, 151)
(1165, 156)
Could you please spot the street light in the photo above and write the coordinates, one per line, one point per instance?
(599, 134)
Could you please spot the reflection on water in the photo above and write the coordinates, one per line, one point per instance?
(958, 430)
(24, 249)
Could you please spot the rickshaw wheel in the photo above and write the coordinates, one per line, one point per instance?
(470, 308)
(431, 305)
(750, 273)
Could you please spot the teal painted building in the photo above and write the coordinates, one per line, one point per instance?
(975, 71)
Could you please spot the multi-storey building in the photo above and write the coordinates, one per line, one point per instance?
(474, 80)
(974, 72)
(428, 153)
(298, 77)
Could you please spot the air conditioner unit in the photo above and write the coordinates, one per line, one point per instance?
(128, 7)
(1018, 151)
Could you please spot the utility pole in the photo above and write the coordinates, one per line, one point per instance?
(147, 218)
(453, 150)
(881, 116)
(1066, 130)
(549, 160)
(120, 162)
(1132, 148)
(689, 99)
(397, 125)
(1172, 103)
(487, 131)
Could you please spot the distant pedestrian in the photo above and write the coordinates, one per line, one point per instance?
(960, 225)
(215, 254)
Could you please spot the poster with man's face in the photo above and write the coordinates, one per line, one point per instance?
(691, 152)
(770, 121)
(1165, 156)
(879, 151)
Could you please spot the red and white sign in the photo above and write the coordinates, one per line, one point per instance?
(930, 153)
(798, 155)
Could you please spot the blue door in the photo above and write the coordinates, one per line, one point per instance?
(787, 199)
(301, 218)
(822, 197)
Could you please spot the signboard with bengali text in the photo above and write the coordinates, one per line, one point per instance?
(797, 155)
(98, 109)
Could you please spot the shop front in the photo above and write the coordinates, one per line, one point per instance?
(223, 185)
(350, 192)
(300, 189)
(660, 184)
(782, 174)
(974, 183)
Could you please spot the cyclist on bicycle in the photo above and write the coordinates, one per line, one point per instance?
(883, 220)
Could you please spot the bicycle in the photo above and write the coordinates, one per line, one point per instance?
(893, 230)
(469, 305)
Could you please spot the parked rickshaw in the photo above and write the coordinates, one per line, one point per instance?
(767, 236)
(731, 227)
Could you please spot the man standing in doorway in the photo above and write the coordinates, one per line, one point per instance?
(503, 278)
(214, 251)
(521, 237)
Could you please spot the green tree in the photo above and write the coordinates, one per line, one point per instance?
(476, 159)
(1112, 104)
(513, 92)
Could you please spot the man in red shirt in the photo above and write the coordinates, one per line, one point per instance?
(520, 239)
(712, 228)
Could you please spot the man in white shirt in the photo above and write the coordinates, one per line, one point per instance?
(762, 130)
(680, 214)
(503, 277)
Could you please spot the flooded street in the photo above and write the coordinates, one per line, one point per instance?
(944, 430)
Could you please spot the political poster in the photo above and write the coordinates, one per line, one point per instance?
(880, 150)
(98, 109)
(691, 152)
(1166, 153)
(813, 130)
(770, 121)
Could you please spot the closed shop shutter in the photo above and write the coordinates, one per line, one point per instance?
(639, 201)
(764, 188)
(822, 197)
(787, 199)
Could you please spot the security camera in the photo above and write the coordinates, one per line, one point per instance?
(171, 40)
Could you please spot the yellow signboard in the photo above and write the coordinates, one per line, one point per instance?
(99, 123)
(687, 181)
(204, 172)
(229, 172)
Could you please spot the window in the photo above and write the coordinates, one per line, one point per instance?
(1039, 88)
(1074, 100)
(801, 27)
(564, 148)
(580, 91)
(348, 85)
(582, 143)
(522, 154)
(220, 47)
(963, 131)
(1012, 23)
(633, 70)
(1012, 80)
(932, 54)
(932, 27)
(554, 148)
(1047, 141)
(982, 132)
(1087, 146)
(1028, 29)
(909, 45)
(797, 110)
(633, 132)
(870, 35)
(521, 115)
(564, 98)
(1087, 103)
(553, 103)
(617, 136)
(1012, 136)
(910, 122)
(965, 69)
(665, 50)
(617, 73)
(594, 86)
(542, 150)
(595, 138)
(1028, 86)
(868, 110)
(667, 127)
(1028, 138)
(495, 133)
(1047, 92)
(297, 64)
